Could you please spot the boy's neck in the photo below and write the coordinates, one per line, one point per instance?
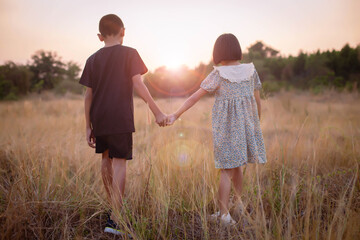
(112, 43)
(113, 39)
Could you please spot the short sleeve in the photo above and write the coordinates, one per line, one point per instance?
(211, 82)
(137, 66)
(85, 78)
(257, 83)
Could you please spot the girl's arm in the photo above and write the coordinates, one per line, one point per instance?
(257, 98)
(194, 98)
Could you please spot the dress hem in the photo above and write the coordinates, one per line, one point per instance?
(242, 164)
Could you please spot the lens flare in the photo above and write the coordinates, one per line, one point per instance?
(182, 148)
(181, 153)
(161, 87)
(185, 152)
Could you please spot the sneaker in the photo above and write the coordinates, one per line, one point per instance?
(215, 215)
(227, 219)
(112, 227)
(108, 214)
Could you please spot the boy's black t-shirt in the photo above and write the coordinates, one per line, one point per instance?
(109, 73)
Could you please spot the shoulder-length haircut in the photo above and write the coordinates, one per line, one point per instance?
(226, 48)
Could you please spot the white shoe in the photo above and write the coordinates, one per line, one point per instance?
(215, 215)
(227, 219)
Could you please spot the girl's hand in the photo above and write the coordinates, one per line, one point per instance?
(170, 119)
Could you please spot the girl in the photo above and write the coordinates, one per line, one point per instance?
(236, 128)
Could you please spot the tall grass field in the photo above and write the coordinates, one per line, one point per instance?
(51, 186)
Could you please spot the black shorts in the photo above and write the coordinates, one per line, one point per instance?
(119, 145)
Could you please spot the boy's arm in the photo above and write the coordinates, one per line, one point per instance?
(257, 98)
(90, 138)
(194, 98)
(144, 93)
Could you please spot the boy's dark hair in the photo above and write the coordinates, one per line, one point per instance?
(226, 47)
(110, 25)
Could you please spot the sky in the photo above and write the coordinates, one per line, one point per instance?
(172, 33)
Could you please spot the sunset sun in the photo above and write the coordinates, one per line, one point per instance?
(172, 55)
(173, 60)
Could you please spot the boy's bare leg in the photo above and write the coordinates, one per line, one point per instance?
(224, 190)
(118, 184)
(107, 173)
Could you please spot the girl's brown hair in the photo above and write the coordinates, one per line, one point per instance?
(226, 47)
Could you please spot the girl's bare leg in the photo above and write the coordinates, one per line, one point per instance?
(238, 186)
(238, 182)
(224, 190)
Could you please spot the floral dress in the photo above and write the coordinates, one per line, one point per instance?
(237, 134)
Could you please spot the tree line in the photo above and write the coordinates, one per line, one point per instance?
(318, 71)
(46, 71)
(335, 69)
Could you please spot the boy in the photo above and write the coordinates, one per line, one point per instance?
(110, 75)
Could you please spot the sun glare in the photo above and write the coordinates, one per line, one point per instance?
(172, 56)
(173, 61)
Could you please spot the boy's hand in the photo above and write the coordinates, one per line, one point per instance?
(170, 119)
(161, 119)
(90, 138)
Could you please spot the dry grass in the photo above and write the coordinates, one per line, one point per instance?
(51, 188)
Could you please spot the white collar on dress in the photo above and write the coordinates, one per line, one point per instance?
(236, 73)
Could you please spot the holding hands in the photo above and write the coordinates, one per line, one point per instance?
(165, 120)
(170, 119)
